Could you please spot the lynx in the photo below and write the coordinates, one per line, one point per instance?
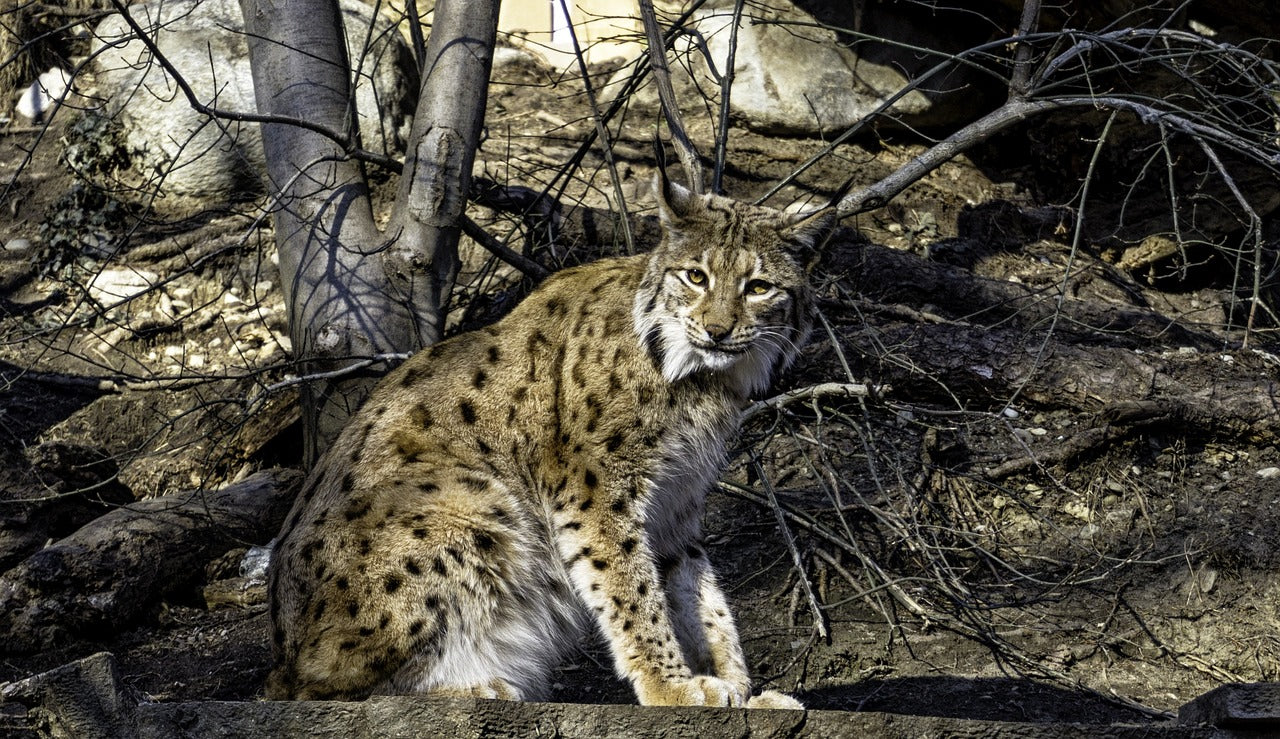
(505, 490)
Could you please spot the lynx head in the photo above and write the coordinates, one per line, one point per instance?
(726, 290)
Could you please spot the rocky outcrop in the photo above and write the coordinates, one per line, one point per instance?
(814, 68)
(190, 160)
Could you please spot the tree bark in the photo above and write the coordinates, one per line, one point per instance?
(422, 259)
(351, 290)
(328, 243)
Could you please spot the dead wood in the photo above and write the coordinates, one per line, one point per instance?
(1227, 394)
(109, 571)
(72, 484)
(887, 276)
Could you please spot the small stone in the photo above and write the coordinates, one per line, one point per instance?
(1268, 472)
(112, 286)
(17, 245)
(116, 336)
(166, 306)
(1077, 509)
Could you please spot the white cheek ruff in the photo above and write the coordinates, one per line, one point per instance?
(679, 358)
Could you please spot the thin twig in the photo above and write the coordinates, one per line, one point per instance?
(502, 251)
(819, 618)
(1255, 226)
(821, 390)
(726, 88)
(606, 146)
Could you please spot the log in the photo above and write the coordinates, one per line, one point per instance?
(70, 485)
(111, 570)
(1227, 394)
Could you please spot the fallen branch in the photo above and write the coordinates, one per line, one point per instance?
(821, 390)
(112, 569)
(500, 250)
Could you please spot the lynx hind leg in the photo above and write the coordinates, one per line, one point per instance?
(433, 588)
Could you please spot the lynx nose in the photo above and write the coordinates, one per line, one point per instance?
(717, 332)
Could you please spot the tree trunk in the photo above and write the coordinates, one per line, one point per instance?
(422, 261)
(351, 290)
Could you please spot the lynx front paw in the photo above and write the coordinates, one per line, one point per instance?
(774, 699)
(700, 690)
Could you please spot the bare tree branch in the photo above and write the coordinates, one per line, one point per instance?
(685, 148)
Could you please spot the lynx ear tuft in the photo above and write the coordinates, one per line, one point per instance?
(675, 202)
(810, 227)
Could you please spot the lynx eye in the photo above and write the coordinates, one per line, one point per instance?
(695, 277)
(758, 287)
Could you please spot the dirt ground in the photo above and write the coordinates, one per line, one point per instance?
(952, 575)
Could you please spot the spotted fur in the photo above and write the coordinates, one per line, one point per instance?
(511, 487)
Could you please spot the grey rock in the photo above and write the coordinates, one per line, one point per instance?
(82, 699)
(794, 74)
(1254, 706)
(87, 698)
(195, 162)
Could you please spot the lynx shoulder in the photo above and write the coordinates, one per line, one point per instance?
(510, 488)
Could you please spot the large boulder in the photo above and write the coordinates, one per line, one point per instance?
(159, 144)
(794, 73)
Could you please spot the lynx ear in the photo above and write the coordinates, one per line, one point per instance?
(810, 227)
(675, 202)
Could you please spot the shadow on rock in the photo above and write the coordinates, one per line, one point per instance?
(993, 699)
